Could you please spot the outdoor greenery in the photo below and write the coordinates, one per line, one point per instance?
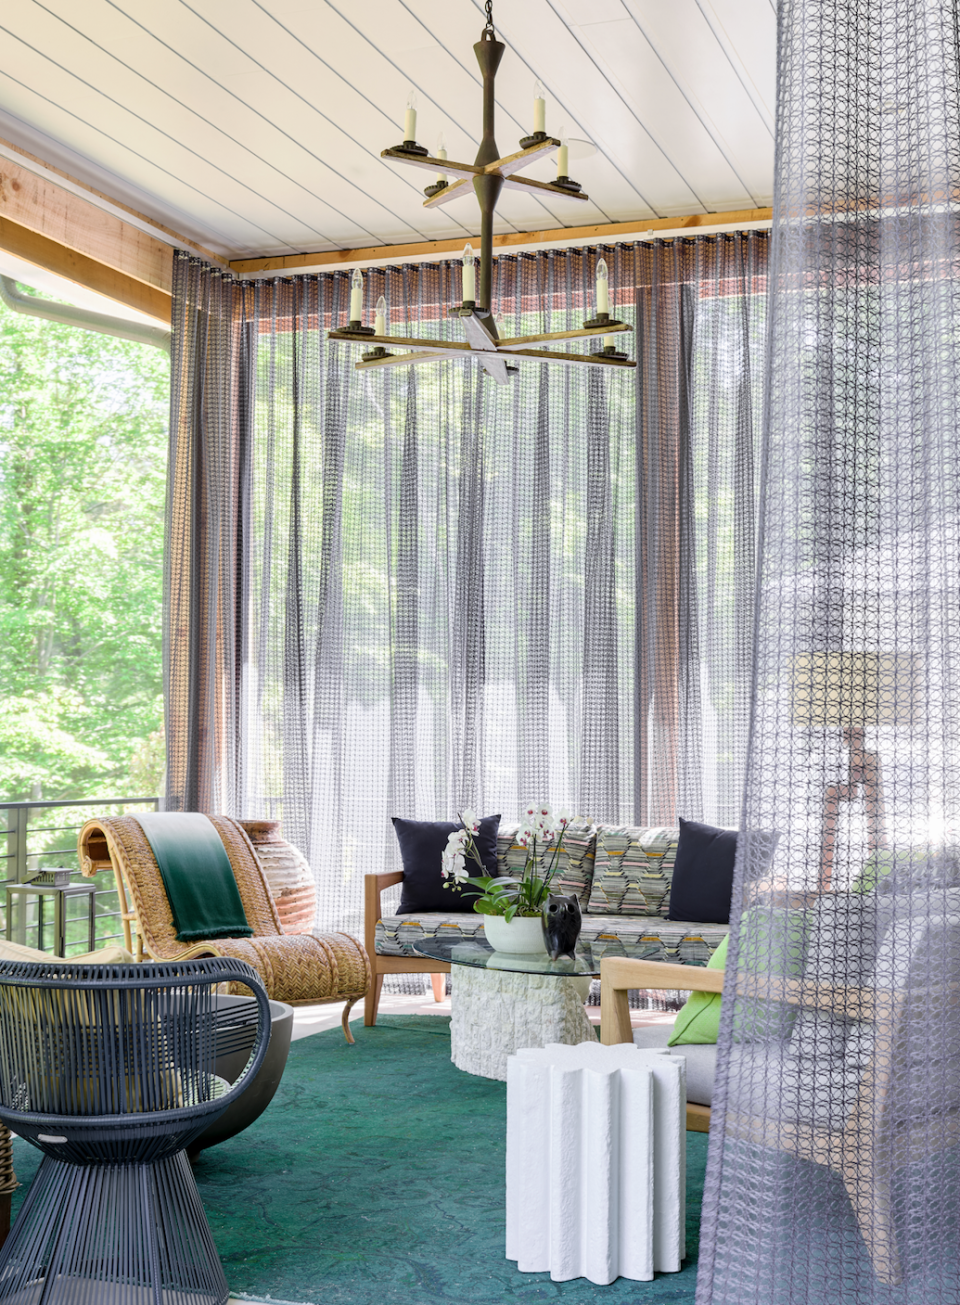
(83, 421)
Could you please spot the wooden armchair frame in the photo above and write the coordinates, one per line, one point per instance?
(618, 974)
(870, 1146)
(373, 886)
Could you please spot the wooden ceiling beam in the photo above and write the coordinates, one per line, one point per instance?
(38, 205)
(88, 272)
(606, 233)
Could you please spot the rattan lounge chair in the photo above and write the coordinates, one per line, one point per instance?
(300, 969)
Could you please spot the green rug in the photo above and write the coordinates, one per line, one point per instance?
(376, 1177)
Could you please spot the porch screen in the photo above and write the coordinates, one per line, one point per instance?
(834, 1168)
(400, 592)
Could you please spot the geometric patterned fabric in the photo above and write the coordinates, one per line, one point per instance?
(571, 871)
(634, 871)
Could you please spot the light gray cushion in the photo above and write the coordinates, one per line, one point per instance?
(701, 1060)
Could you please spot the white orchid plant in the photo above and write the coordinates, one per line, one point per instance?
(505, 894)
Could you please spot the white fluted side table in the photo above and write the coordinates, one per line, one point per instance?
(596, 1162)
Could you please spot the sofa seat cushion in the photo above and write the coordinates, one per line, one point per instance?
(633, 871)
(647, 939)
(701, 1059)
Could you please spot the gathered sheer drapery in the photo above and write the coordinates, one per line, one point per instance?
(834, 1169)
(404, 591)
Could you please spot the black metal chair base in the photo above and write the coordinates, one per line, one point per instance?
(112, 1235)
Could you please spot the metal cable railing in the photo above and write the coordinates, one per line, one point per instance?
(33, 847)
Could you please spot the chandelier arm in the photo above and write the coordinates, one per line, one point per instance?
(466, 170)
(575, 333)
(513, 162)
(402, 360)
(573, 359)
(523, 183)
(456, 191)
(454, 347)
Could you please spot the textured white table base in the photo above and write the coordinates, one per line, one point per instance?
(596, 1162)
(493, 1012)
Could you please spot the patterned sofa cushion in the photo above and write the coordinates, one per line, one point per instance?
(574, 864)
(648, 939)
(633, 872)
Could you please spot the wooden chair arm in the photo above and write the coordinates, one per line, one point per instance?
(373, 886)
(618, 974)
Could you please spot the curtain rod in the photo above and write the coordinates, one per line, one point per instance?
(511, 243)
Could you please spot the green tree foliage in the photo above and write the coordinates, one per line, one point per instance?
(83, 420)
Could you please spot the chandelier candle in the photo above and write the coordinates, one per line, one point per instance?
(441, 154)
(380, 321)
(410, 118)
(469, 276)
(563, 155)
(539, 108)
(603, 287)
(356, 296)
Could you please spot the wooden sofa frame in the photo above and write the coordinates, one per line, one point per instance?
(373, 886)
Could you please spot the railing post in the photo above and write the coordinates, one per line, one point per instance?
(20, 844)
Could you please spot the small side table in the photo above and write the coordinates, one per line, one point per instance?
(596, 1162)
(56, 896)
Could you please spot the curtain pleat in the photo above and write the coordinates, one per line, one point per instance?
(410, 590)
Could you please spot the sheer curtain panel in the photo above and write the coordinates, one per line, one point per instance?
(834, 1173)
(400, 592)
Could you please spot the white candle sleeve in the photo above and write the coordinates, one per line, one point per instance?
(356, 298)
(562, 154)
(539, 114)
(469, 276)
(603, 295)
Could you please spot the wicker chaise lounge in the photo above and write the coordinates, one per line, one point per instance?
(300, 969)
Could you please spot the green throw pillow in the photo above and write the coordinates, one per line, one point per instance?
(698, 1020)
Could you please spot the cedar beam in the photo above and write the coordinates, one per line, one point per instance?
(63, 261)
(39, 205)
(598, 233)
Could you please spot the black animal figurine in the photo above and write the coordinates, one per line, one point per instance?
(561, 925)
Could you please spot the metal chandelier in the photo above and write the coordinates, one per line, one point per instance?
(489, 174)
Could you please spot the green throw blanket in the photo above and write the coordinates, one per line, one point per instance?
(197, 875)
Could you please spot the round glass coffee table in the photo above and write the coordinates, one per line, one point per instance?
(504, 1001)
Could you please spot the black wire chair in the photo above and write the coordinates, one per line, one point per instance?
(108, 1070)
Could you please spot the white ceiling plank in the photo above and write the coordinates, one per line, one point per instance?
(237, 228)
(688, 48)
(245, 142)
(307, 86)
(652, 94)
(256, 126)
(181, 144)
(748, 34)
(573, 78)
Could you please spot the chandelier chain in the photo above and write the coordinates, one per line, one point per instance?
(489, 24)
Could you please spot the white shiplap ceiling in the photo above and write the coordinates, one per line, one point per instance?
(256, 127)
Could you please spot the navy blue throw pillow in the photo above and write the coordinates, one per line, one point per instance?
(421, 850)
(702, 884)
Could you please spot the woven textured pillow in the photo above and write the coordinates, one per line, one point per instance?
(634, 871)
(574, 864)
